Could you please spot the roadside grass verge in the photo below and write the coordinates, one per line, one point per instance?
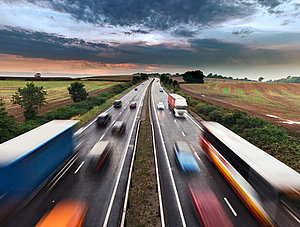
(276, 141)
(83, 111)
(143, 198)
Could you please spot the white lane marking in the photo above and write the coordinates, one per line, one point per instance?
(81, 130)
(119, 174)
(197, 156)
(63, 173)
(289, 209)
(170, 171)
(79, 167)
(183, 133)
(229, 205)
(170, 113)
(124, 107)
(120, 113)
(161, 208)
(194, 122)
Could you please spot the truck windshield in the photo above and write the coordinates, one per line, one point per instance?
(180, 107)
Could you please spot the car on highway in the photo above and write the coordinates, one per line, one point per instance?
(98, 155)
(118, 128)
(160, 106)
(136, 89)
(132, 105)
(64, 214)
(117, 103)
(161, 89)
(185, 158)
(103, 119)
(208, 207)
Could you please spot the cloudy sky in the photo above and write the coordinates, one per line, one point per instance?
(236, 38)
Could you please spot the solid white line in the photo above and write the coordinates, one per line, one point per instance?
(119, 174)
(81, 130)
(197, 156)
(232, 210)
(55, 182)
(288, 208)
(129, 178)
(195, 122)
(161, 208)
(79, 167)
(183, 133)
(170, 172)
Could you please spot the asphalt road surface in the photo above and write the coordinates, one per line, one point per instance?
(103, 192)
(177, 204)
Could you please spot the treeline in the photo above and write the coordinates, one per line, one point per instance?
(273, 139)
(10, 128)
(289, 79)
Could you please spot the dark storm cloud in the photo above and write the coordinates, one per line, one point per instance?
(154, 14)
(243, 32)
(272, 4)
(184, 32)
(30, 44)
(27, 43)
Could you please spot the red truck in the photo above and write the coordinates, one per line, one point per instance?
(178, 104)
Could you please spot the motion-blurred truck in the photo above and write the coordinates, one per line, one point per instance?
(178, 105)
(32, 160)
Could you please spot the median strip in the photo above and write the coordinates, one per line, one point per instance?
(143, 206)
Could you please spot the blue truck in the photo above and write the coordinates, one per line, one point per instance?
(29, 161)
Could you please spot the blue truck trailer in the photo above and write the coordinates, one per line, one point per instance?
(29, 161)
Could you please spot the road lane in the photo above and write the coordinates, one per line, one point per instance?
(96, 189)
(187, 129)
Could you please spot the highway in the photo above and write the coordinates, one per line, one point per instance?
(178, 206)
(103, 192)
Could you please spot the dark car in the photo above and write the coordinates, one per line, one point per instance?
(98, 155)
(132, 105)
(118, 128)
(117, 103)
(185, 158)
(136, 89)
(103, 119)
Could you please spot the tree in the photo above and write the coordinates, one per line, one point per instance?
(194, 76)
(37, 75)
(77, 91)
(175, 84)
(260, 79)
(30, 98)
(8, 127)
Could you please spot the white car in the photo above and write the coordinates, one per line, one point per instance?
(160, 106)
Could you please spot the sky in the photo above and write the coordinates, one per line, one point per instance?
(237, 38)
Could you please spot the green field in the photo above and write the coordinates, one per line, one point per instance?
(57, 93)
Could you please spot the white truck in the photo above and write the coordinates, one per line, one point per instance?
(178, 104)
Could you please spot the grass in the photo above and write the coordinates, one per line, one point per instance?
(83, 119)
(143, 198)
(56, 90)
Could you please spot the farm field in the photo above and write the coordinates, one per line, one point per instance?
(57, 93)
(276, 102)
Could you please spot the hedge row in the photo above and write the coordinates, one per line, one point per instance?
(10, 128)
(275, 140)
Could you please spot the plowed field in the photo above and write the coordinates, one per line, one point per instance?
(57, 93)
(276, 102)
